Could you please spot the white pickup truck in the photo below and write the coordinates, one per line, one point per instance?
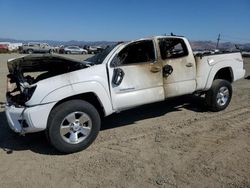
(69, 97)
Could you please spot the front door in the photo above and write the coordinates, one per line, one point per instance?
(175, 56)
(139, 73)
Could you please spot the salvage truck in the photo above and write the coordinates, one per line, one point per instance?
(68, 98)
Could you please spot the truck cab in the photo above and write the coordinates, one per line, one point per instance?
(152, 69)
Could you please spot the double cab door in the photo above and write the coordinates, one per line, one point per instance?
(144, 71)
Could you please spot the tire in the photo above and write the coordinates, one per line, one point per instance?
(73, 126)
(50, 51)
(67, 52)
(219, 95)
(84, 53)
(30, 51)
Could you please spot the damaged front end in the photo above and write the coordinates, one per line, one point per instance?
(22, 82)
(19, 92)
(26, 72)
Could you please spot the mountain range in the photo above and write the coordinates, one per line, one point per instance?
(196, 45)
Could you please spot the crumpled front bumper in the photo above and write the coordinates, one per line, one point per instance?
(14, 117)
(28, 119)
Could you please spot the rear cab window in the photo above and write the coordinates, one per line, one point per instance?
(172, 48)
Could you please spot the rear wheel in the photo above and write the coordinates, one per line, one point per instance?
(73, 126)
(219, 95)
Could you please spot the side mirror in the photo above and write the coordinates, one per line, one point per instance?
(117, 76)
(167, 70)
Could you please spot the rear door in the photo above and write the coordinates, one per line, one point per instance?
(141, 74)
(175, 54)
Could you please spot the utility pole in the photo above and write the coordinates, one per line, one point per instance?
(218, 40)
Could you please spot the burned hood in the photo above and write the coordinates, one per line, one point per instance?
(39, 63)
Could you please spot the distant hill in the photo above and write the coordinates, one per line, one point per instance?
(196, 45)
(58, 43)
(209, 45)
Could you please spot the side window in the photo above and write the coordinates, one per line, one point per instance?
(172, 48)
(138, 52)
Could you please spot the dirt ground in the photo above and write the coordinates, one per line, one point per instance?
(176, 143)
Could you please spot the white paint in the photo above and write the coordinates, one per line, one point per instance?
(141, 84)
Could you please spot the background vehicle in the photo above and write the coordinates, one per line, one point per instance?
(94, 49)
(118, 78)
(12, 47)
(74, 50)
(4, 48)
(34, 47)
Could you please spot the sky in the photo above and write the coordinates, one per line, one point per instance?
(117, 20)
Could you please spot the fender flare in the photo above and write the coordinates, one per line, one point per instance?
(215, 69)
(81, 88)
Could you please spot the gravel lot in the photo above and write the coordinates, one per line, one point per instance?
(176, 143)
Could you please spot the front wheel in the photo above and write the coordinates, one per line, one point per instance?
(219, 95)
(73, 126)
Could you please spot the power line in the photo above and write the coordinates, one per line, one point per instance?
(235, 37)
(233, 41)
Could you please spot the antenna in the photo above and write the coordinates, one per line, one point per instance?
(218, 40)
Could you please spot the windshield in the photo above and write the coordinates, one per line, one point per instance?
(99, 58)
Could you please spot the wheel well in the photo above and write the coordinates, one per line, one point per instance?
(225, 74)
(89, 97)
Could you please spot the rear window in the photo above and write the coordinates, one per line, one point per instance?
(172, 48)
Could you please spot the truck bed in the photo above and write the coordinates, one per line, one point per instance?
(205, 61)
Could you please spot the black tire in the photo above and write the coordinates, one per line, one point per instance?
(30, 51)
(213, 96)
(58, 115)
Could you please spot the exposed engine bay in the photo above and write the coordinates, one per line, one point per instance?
(26, 71)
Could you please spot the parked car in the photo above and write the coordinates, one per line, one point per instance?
(118, 78)
(74, 50)
(4, 48)
(12, 46)
(36, 47)
(61, 49)
(94, 49)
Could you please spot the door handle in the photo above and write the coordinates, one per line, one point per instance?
(155, 69)
(189, 65)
